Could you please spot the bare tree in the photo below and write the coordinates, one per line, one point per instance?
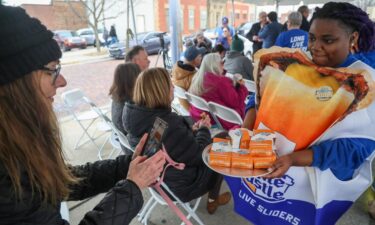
(95, 10)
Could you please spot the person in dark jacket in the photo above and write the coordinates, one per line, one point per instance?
(153, 94)
(113, 34)
(253, 33)
(236, 62)
(304, 10)
(34, 178)
(201, 41)
(121, 92)
(184, 71)
(270, 32)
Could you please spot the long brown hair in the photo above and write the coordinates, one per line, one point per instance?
(152, 89)
(30, 140)
(123, 81)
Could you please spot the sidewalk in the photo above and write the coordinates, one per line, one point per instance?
(87, 55)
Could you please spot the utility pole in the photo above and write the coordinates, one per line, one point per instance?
(174, 8)
(127, 24)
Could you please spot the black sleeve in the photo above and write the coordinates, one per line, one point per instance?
(253, 31)
(120, 205)
(209, 43)
(183, 145)
(98, 177)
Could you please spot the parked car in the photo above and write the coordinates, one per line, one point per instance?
(210, 34)
(244, 28)
(248, 46)
(69, 39)
(149, 40)
(89, 35)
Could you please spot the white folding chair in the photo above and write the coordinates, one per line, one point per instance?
(113, 138)
(225, 113)
(201, 104)
(197, 102)
(64, 211)
(189, 207)
(117, 138)
(179, 93)
(74, 100)
(250, 85)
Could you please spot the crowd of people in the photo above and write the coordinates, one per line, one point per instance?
(34, 177)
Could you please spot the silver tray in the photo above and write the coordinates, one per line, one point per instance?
(233, 172)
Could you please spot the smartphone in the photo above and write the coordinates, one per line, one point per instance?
(154, 139)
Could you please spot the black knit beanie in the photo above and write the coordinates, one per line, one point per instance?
(25, 44)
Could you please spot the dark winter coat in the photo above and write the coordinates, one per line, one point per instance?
(182, 146)
(305, 24)
(119, 206)
(255, 28)
(236, 62)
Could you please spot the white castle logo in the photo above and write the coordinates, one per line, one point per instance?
(271, 190)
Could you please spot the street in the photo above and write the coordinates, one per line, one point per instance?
(90, 72)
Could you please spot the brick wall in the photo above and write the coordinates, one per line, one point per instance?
(58, 15)
(192, 10)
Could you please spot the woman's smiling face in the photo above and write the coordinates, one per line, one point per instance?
(330, 42)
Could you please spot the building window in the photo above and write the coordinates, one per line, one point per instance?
(191, 19)
(203, 19)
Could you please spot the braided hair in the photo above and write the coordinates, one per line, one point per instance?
(352, 17)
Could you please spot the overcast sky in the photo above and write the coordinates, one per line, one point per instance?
(19, 2)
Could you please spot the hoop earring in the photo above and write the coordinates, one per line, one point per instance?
(353, 48)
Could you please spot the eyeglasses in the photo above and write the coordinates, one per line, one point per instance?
(53, 72)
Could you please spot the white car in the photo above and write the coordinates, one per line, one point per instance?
(248, 47)
(89, 35)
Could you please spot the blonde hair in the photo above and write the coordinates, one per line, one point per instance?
(30, 140)
(211, 63)
(152, 89)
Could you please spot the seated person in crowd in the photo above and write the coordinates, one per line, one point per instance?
(211, 84)
(236, 62)
(294, 37)
(34, 177)
(183, 71)
(225, 39)
(138, 55)
(219, 48)
(121, 92)
(201, 41)
(153, 95)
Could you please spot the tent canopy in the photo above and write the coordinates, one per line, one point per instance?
(292, 2)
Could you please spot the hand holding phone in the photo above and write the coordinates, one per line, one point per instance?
(154, 139)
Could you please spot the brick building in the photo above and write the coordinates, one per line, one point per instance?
(58, 14)
(194, 14)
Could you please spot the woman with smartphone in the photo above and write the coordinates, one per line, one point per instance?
(153, 94)
(34, 177)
